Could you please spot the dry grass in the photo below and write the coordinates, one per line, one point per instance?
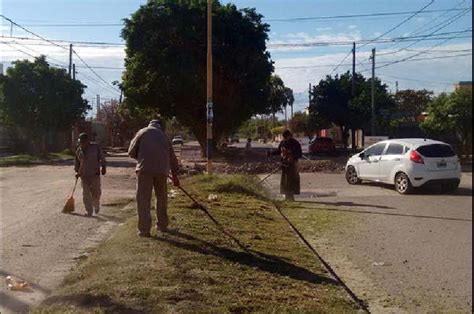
(196, 269)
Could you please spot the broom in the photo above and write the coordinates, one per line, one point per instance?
(69, 207)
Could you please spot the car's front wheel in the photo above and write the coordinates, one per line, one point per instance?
(351, 176)
(403, 184)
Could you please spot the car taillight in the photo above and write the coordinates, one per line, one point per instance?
(416, 157)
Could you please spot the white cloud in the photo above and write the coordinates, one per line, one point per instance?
(439, 74)
(305, 38)
(323, 29)
(94, 56)
(352, 26)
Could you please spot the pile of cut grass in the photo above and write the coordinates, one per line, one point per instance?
(197, 269)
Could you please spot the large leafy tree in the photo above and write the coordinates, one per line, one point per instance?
(411, 104)
(39, 99)
(166, 63)
(452, 114)
(332, 101)
(280, 97)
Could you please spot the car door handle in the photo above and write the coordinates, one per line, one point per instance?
(398, 159)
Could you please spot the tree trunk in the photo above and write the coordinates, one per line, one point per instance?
(353, 135)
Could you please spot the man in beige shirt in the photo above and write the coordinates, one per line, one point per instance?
(88, 163)
(155, 159)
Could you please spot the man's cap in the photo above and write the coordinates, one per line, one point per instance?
(155, 123)
(83, 137)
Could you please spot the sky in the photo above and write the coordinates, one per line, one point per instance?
(302, 39)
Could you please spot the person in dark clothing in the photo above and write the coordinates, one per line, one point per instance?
(290, 152)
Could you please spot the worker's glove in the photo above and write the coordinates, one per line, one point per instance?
(104, 171)
(77, 175)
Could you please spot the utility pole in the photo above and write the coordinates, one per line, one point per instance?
(209, 105)
(98, 107)
(396, 87)
(373, 91)
(11, 29)
(73, 71)
(353, 69)
(353, 131)
(70, 60)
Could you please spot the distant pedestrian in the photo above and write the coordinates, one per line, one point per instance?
(88, 163)
(248, 146)
(155, 159)
(290, 152)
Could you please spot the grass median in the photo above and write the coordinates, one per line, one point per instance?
(30, 160)
(196, 268)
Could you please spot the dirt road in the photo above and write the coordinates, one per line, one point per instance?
(401, 253)
(39, 243)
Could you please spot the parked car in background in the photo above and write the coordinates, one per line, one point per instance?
(408, 164)
(322, 145)
(177, 140)
(234, 139)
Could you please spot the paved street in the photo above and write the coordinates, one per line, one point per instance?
(413, 252)
(39, 243)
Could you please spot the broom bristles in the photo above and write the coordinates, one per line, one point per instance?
(69, 206)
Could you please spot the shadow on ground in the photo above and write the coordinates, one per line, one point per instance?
(264, 262)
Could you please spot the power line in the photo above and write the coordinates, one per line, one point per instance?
(417, 54)
(382, 14)
(416, 80)
(362, 64)
(291, 45)
(400, 24)
(94, 72)
(446, 24)
(438, 36)
(32, 33)
(421, 29)
(337, 66)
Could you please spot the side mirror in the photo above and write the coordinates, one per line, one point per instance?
(362, 155)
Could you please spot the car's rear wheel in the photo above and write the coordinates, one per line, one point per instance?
(403, 184)
(351, 176)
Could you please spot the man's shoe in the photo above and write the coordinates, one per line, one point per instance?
(144, 235)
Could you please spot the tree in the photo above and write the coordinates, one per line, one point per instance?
(452, 114)
(332, 100)
(410, 105)
(166, 64)
(40, 99)
(299, 123)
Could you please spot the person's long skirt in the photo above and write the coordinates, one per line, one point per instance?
(290, 180)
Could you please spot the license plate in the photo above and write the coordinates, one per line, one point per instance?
(442, 165)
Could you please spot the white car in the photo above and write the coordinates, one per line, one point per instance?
(407, 163)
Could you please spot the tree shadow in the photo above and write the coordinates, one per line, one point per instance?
(345, 204)
(425, 190)
(389, 214)
(264, 262)
(88, 301)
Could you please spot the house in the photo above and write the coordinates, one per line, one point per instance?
(463, 85)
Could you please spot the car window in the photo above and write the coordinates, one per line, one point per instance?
(395, 149)
(436, 151)
(375, 150)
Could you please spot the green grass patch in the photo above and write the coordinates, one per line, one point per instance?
(196, 269)
(28, 160)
